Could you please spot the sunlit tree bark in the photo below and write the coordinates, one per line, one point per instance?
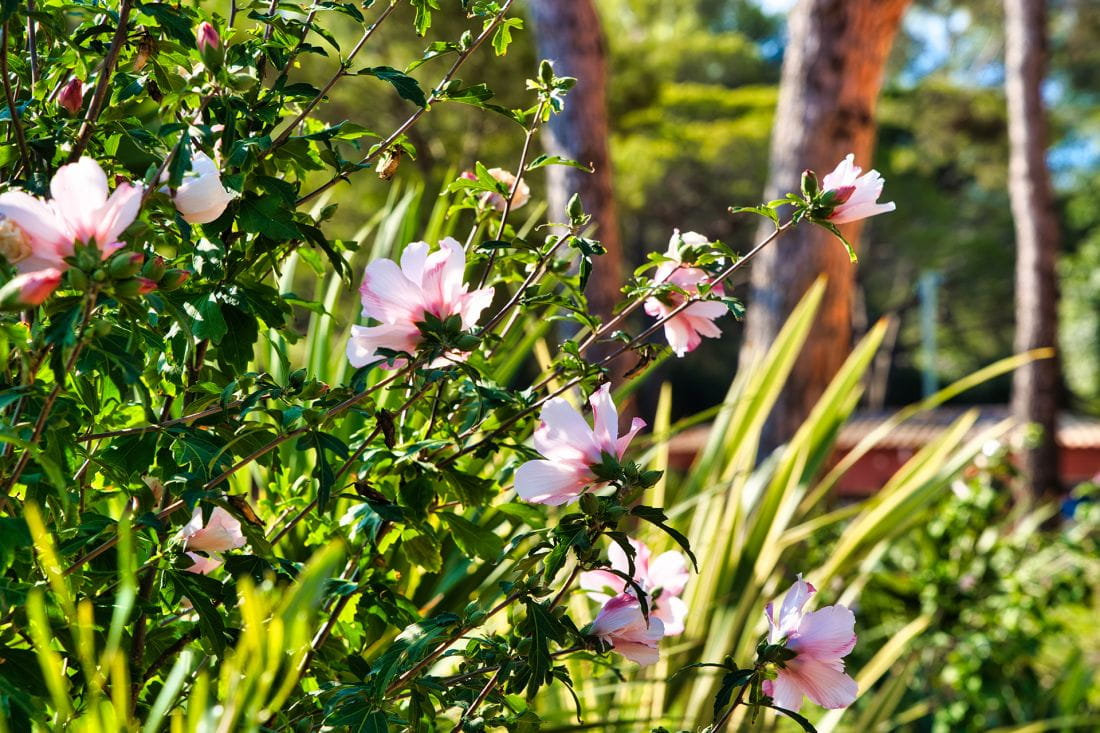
(832, 74)
(1035, 387)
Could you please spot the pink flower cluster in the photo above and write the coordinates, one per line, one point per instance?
(398, 298)
(820, 640)
(621, 622)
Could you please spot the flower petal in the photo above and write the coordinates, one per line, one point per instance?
(669, 572)
(827, 633)
(605, 418)
(624, 441)
(784, 691)
(548, 482)
(119, 212)
(823, 682)
(364, 342)
(79, 192)
(563, 435)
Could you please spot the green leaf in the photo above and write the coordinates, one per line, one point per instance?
(207, 320)
(267, 215)
(406, 86)
(542, 627)
(198, 589)
(422, 21)
(656, 516)
(836, 232)
(473, 539)
(422, 550)
(545, 160)
(766, 211)
(502, 37)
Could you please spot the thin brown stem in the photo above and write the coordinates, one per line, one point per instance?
(535, 120)
(102, 84)
(415, 116)
(161, 425)
(485, 691)
(13, 111)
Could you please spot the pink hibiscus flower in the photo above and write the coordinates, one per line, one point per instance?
(820, 640)
(662, 578)
(399, 297)
(685, 330)
(570, 448)
(856, 195)
(222, 532)
(36, 234)
(621, 624)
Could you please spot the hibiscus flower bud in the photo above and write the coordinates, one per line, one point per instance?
(71, 96)
(810, 185)
(201, 197)
(210, 46)
(155, 268)
(125, 264)
(29, 288)
(134, 287)
(173, 279)
(207, 37)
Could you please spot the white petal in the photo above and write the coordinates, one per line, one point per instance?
(547, 482)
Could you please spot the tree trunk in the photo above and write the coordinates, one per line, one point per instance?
(832, 73)
(1035, 387)
(569, 34)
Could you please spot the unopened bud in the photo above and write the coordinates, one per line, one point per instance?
(124, 265)
(71, 96)
(134, 287)
(30, 288)
(173, 279)
(810, 186)
(207, 37)
(210, 46)
(155, 267)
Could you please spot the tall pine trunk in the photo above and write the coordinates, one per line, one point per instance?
(832, 74)
(569, 34)
(1035, 387)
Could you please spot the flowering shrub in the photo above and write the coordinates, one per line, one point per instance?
(145, 233)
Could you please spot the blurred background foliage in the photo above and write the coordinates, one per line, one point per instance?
(692, 92)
